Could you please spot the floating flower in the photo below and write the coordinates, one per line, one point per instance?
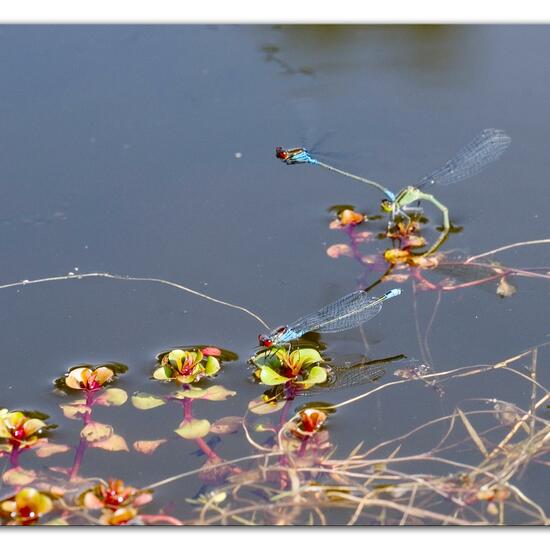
(351, 217)
(88, 379)
(187, 366)
(301, 367)
(114, 495)
(397, 256)
(19, 430)
(26, 507)
(120, 516)
(311, 421)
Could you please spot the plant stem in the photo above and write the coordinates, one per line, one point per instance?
(187, 405)
(82, 444)
(14, 457)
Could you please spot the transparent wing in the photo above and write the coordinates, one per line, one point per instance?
(469, 161)
(465, 273)
(347, 312)
(347, 377)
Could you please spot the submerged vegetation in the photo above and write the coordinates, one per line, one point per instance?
(293, 471)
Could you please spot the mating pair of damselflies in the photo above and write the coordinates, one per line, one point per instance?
(357, 308)
(487, 147)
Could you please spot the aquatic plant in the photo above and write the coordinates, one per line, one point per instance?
(92, 382)
(294, 471)
(27, 507)
(186, 366)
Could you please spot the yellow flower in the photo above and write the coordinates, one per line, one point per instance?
(84, 378)
(120, 516)
(186, 366)
(27, 506)
(350, 217)
(19, 429)
(114, 495)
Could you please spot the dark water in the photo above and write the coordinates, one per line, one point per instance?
(118, 153)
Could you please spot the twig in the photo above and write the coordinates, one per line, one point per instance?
(507, 247)
(80, 276)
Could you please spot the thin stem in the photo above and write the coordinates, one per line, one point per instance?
(187, 406)
(14, 456)
(82, 444)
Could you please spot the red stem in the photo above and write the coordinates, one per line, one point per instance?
(14, 455)
(82, 444)
(187, 405)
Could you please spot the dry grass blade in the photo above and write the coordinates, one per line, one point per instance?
(473, 434)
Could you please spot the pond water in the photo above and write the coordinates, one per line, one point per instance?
(148, 151)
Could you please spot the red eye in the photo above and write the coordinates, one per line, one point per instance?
(280, 153)
(264, 341)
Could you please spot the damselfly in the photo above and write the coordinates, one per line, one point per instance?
(487, 147)
(347, 312)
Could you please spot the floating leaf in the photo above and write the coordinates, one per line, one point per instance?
(261, 406)
(363, 236)
(317, 375)
(48, 449)
(113, 443)
(192, 429)
(227, 425)
(305, 357)
(213, 393)
(396, 277)
(191, 393)
(337, 250)
(163, 373)
(32, 426)
(148, 447)
(216, 352)
(271, 378)
(18, 476)
(218, 393)
(112, 397)
(146, 401)
(212, 366)
(95, 431)
(76, 409)
(271, 358)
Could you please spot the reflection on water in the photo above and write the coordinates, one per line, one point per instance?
(333, 49)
